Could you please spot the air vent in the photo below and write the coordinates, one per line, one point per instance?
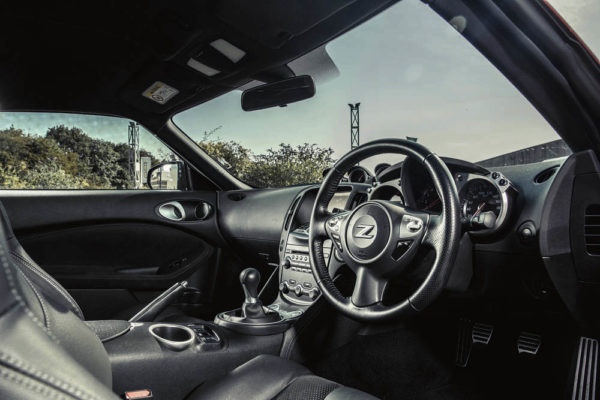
(290, 213)
(545, 174)
(592, 229)
(236, 196)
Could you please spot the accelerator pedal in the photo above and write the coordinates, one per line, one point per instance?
(586, 370)
(470, 333)
(529, 343)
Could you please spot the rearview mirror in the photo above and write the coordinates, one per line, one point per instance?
(166, 176)
(279, 93)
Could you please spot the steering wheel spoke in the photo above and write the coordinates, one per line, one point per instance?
(318, 226)
(368, 289)
(434, 235)
(334, 227)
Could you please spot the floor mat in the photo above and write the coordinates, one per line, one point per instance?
(419, 365)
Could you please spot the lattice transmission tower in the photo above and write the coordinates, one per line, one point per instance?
(354, 126)
(134, 154)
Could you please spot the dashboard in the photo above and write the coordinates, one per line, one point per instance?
(501, 210)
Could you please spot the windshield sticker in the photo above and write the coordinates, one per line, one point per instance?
(160, 92)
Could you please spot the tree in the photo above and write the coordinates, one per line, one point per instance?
(68, 158)
(232, 155)
(283, 166)
(104, 164)
(290, 165)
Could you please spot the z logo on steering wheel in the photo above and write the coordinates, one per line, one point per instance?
(364, 231)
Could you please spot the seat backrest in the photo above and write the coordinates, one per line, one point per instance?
(45, 284)
(46, 351)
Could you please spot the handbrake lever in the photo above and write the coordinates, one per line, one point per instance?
(166, 298)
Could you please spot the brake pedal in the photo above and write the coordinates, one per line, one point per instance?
(470, 333)
(529, 343)
(586, 370)
(482, 333)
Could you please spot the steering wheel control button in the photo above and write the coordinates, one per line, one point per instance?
(401, 249)
(414, 225)
(368, 232)
(411, 226)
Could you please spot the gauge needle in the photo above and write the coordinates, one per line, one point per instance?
(476, 213)
(433, 203)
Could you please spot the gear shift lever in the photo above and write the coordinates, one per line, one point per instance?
(251, 316)
(250, 279)
(252, 307)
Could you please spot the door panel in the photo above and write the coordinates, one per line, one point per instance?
(112, 249)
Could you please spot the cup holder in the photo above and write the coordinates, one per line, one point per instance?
(174, 337)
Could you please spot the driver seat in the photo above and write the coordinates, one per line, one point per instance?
(47, 351)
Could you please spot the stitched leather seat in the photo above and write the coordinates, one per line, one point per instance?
(270, 377)
(47, 351)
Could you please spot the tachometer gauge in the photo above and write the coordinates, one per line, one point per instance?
(429, 201)
(480, 195)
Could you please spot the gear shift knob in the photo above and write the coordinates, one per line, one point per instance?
(250, 279)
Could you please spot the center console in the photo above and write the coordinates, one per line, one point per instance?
(170, 357)
(297, 283)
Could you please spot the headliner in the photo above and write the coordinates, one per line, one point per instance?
(99, 57)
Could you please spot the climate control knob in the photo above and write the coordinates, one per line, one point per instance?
(286, 263)
(298, 290)
(313, 293)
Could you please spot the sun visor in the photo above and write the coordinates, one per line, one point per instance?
(318, 64)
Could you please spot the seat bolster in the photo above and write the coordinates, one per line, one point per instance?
(263, 377)
(347, 393)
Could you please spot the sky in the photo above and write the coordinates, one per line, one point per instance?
(413, 74)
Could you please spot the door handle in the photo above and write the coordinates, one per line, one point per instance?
(172, 210)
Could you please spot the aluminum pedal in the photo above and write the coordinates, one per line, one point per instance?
(586, 370)
(481, 333)
(529, 343)
(470, 333)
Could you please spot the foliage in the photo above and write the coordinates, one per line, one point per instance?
(40, 177)
(288, 165)
(68, 158)
(283, 166)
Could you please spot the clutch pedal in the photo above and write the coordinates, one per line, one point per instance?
(470, 333)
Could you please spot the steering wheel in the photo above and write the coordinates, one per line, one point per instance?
(379, 239)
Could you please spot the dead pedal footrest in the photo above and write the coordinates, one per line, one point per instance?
(586, 370)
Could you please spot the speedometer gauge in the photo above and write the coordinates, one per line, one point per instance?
(480, 195)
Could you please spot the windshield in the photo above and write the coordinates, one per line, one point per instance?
(414, 76)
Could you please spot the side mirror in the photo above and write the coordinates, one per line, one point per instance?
(279, 93)
(166, 176)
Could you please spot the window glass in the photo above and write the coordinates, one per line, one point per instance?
(76, 151)
(414, 76)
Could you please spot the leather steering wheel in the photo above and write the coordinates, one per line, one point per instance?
(379, 239)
